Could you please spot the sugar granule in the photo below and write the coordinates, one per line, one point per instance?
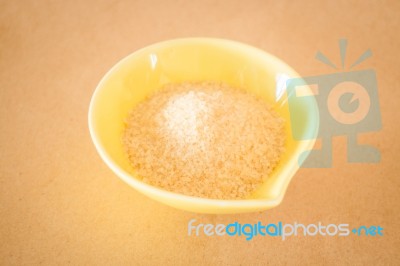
(204, 139)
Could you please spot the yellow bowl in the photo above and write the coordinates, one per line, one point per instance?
(199, 59)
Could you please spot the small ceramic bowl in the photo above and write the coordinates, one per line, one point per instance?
(200, 59)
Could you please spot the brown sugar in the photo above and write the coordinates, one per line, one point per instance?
(204, 139)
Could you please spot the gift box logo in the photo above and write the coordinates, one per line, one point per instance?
(348, 105)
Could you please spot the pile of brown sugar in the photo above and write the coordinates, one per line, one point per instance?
(204, 139)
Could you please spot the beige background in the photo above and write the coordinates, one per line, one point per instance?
(59, 203)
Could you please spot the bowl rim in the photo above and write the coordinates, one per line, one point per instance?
(149, 190)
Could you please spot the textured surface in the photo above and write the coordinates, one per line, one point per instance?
(59, 204)
(207, 140)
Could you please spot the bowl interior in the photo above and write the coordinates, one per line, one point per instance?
(198, 59)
